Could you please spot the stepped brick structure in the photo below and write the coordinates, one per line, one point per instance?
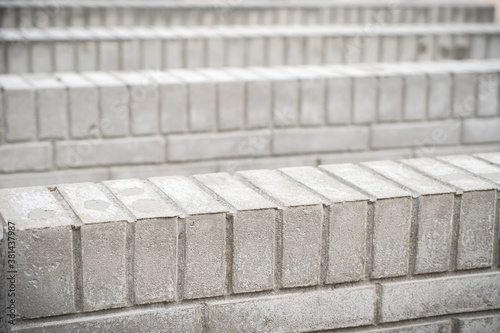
(249, 166)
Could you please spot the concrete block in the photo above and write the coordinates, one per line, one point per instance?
(104, 230)
(415, 97)
(474, 165)
(64, 50)
(257, 46)
(105, 152)
(338, 94)
(408, 49)
(230, 99)
(130, 48)
(275, 51)
(477, 211)
(83, 104)
(486, 324)
(41, 57)
(493, 46)
(481, 130)
(442, 327)
(425, 49)
(435, 215)
(254, 232)
(87, 56)
(415, 134)
(202, 100)
(389, 48)
(333, 50)
(294, 50)
(285, 89)
(235, 50)
(439, 103)
(257, 99)
(17, 55)
(319, 310)
(302, 224)
(173, 53)
(347, 237)
(18, 157)
(232, 166)
(390, 98)
(434, 297)
(478, 46)
(204, 268)
(218, 145)
(487, 94)
(151, 54)
(113, 104)
(392, 212)
(18, 95)
(313, 50)
(464, 95)
(287, 141)
(44, 252)
(52, 177)
(490, 157)
(215, 52)
(171, 320)
(155, 240)
(173, 102)
(52, 103)
(312, 96)
(143, 102)
(364, 92)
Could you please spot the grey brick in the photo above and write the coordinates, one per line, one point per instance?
(348, 224)
(486, 324)
(155, 241)
(83, 105)
(319, 310)
(302, 224)
(204, 264)
(476, 166)
(179, 319)
(435, 216)
(44, 251)
(143, 102)
(392, 212)
(475, 237)
(434, 297)
(105, 152)
(52, 103)
(230, 99)
(254, 232)
(104, 230)
(257, 99)
(18, 95)
(287, 141)
(113, 104)
(481, 130)
(36, 156)
(202, 100)
(415, 134)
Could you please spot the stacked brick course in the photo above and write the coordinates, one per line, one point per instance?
(408, 246)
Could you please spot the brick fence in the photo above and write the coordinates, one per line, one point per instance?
(408, 246)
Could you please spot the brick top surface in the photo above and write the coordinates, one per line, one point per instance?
(448, 174)
(188, 196)
(141, 199)
(32, 208)
(91, 204)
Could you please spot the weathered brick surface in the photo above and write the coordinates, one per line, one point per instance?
(319, 311)
(434, 297)
(302, 224)
(392, 212)
(486, 324)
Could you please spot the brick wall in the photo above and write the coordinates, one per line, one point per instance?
(92, 126)
(408, 246)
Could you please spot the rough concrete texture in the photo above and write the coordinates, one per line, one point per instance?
(298, 313)
(486, 324)
(182, 319)
(435, 215)
(104, 265)
(433, 297)
(254, 232)
(439, 327)
(41, 239)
